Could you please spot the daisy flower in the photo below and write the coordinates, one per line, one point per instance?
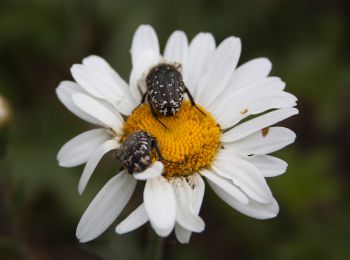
(228, 146)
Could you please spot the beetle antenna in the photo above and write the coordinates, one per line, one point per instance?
(171, 161)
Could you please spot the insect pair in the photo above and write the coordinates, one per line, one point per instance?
(165, 92)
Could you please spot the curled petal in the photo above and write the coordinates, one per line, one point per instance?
(185, 214)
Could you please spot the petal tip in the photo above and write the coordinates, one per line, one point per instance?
(118, 230)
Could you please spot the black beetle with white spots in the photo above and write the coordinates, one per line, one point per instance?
(135, 152)
(165, 90)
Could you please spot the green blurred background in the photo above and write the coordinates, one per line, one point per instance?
(308, 44)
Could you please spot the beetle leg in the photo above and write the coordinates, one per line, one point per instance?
(116, 157)
(154, 144)
(192, 100)
(144, 98)
(141, 84)
(154, 113)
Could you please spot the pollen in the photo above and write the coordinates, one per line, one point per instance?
(189, 142)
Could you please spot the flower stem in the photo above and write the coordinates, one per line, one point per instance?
(154, 250)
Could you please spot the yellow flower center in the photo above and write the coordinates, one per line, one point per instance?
(190, 140)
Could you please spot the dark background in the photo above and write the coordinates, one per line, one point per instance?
(308, 44)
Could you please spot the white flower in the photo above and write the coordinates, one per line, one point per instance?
(237, 166)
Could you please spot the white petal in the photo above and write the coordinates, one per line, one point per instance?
(106, 206)
(78, 150)
(124, 107)
(273, 83)
(96, 83)
(257, 124)
(109, 84)
(221, 66)
(176, 48)
(185, 214)
(257, 210)
(182, 234)
(196, 182)
(145, 38)
(135, 220)
(100, 112)
(160, 205)
(252, 209)
(268, 165)
(244, 175)
(147, 60)
(246, 103)
(198, 185)
(93, 160)
(64, 92)
(155, 170)
(243, 95)
(250, 72)
(260, 95)
(225, 185)
(201, 48)
(263, 142)
(101, 65)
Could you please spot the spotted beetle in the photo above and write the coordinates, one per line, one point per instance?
(165, 90)
(135, 152)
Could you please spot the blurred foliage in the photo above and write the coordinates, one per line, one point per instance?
(307, 42)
